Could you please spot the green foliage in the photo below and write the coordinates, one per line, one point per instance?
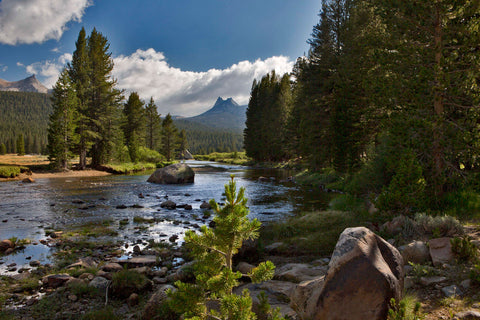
(133, 128)
(406, 309)
(267, 112)
(62, 123)
(152, 126)
(265, 310)
(126, 282)
(347, 202)
(213, 250)
(420, 270)
(239, 158)
(464, 249)
(20, 145)
(3, 149)
(129, 167)
(300, 234)
(24, 113)
(475, 274)
(149, 155)
(438, 226)
(169, 138)
(406, 191)
(9, 171)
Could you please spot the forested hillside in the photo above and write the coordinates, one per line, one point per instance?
(24, 113)
(203, 139)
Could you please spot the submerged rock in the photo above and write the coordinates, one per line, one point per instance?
(178, 173)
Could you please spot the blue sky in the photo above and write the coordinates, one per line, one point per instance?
(183, 53)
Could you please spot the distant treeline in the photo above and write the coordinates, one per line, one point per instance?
(204, 140)
(24, 113)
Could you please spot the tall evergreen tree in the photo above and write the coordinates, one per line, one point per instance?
(3, 149)
(104, 99)
(432, 60)
(79, 70)
(20, 145)
(133, 128)
(182, 143)
(169, 137)
(61, 129)
(152, 125)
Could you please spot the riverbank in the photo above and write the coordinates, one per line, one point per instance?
(63, 174)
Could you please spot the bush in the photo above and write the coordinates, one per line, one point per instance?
(406, 190)
(9, 171)
(438, 226)
(126, 282)
(347, 202)
(148, 155)
(102, 314)
(407, 309)
(464, 249)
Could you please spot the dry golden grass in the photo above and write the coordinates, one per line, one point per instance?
(26, 160)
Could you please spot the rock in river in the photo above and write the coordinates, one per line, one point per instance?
(178, 173)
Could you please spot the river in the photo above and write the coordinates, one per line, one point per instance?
(27, 210)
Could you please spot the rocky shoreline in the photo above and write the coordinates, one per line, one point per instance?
(89, 283)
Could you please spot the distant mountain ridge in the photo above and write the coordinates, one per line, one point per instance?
(225, 114)
(29, 84)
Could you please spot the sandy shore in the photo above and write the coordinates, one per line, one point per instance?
(51, 175)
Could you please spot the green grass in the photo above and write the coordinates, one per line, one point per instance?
(9, 171)
(315, 233)
(129, 167)
(238, 158)
(102, 314)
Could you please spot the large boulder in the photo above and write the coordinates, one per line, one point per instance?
(441, 251)
(365, 272)
(416, 252)
(177, 173)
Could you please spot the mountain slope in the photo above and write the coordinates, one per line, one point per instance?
(225, 114)
(30, 84)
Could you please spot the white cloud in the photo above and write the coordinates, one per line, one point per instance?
(190, 93)
(48, 70)
(30, 21)
(175, 91)
(3, 68)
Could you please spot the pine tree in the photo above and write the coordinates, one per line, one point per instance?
(213, 250)
(104, 99)
(3, 149)
(169, 137)
(79, 70)
(20, 145)
(152, 125)
(182, 143)
(133, 128)
(431, 57)
(61, 129)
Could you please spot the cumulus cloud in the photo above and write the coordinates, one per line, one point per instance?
(190, 93)
(36, 21)
(48, 70)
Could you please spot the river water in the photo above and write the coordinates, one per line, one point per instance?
(27, 210)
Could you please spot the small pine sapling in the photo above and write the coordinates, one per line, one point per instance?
(213, 249)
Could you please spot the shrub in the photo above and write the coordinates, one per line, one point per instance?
(407, 309)
(126, 282)
(464, 249)
(9, 171)
(213, 250)
(148, 155)
(348, 202)
(438, 226)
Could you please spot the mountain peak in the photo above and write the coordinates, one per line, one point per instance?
(225, 103)
(29, 84)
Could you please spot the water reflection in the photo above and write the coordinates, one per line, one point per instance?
(26, 210)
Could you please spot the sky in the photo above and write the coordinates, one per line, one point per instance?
(183, 53)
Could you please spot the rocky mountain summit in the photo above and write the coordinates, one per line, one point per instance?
(225, 114)
(30, 84)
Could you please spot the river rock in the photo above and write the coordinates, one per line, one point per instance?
(364, 274)
(440, 251)
(468, 315)
(205, 205)
(178, 173)
(169, 204)
(155, 302)
(416, 252)
(140, 261)
(5, 245)
(99, 283)
(112, 267)
(55, 280)
(298, 272)
(28, 180)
